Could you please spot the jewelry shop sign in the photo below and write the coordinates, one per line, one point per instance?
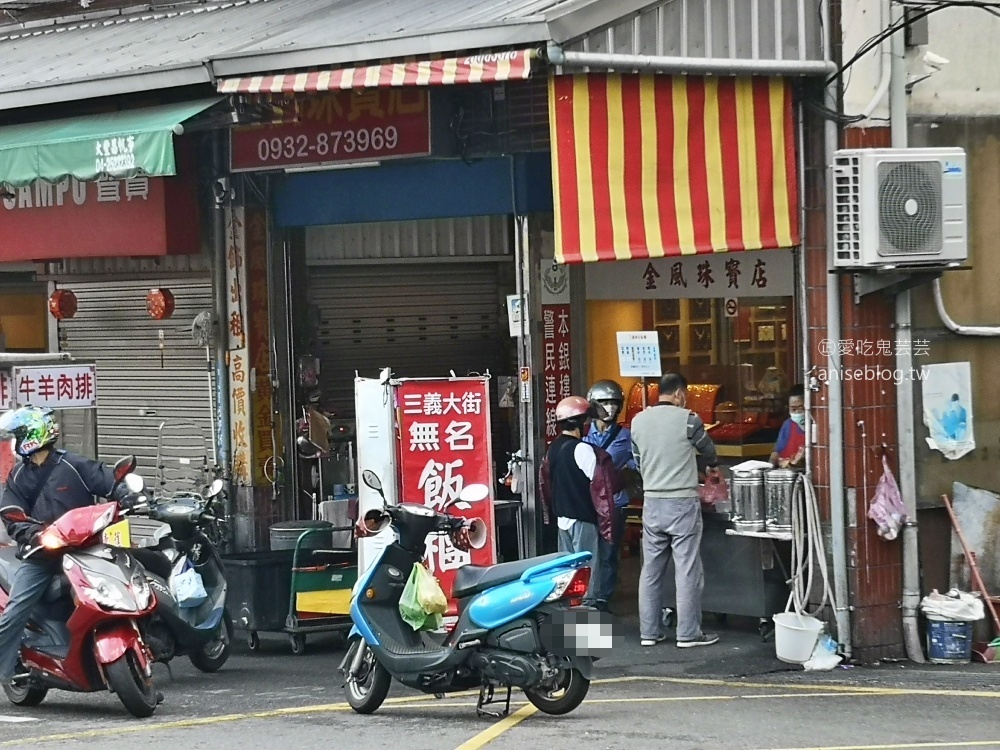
(757, 273)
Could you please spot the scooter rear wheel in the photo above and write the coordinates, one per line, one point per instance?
(367, 690)
(24, 695)
(134, 689)
(568, 693)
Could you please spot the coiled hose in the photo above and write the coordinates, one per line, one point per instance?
(808, 551)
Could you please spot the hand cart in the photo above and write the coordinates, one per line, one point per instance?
(298, 592)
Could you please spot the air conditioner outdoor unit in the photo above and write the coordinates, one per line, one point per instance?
(899, 208)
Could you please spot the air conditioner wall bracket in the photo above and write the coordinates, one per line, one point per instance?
(891, 284)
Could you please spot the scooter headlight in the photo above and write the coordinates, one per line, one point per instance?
(140, 590)
(108, 595)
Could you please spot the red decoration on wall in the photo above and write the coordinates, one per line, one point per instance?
(160, 303)
(62, 304)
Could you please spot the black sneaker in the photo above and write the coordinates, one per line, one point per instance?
(705, 639)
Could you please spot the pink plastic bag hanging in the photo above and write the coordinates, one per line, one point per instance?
(887, 509)
(715, 490)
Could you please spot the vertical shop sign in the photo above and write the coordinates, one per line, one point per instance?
(236, 277)
(239, 410)
(558, 367)
(258, 334)
(444, 429)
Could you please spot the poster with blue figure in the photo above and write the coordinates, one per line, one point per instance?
(947, 395)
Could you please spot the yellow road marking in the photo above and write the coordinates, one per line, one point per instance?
(800, 691)
(978, 743)
(488, 735)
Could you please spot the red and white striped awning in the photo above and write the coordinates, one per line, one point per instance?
(483, 68)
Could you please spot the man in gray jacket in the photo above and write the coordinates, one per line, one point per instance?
(665, 440)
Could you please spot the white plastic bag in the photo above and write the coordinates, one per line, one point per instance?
(955, 606)
(887, 509)
(189, 589)
(824, 656)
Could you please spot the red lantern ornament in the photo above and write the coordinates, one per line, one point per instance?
(62, 304)
(160, 303)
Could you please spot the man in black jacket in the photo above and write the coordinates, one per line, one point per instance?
(45, 485)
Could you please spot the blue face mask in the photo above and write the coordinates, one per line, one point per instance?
(799, 418)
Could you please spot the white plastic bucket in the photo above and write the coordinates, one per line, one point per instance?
(795, 636)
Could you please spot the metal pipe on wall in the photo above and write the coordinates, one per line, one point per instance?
(835, 394)
(220, 187)
(687, 65)
(904, 363)
(804, 290)
(531, 523)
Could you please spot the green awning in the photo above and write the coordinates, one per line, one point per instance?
(117, 144)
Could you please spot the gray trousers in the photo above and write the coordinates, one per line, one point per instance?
(584, 537)
(671, 528)
(27, 589)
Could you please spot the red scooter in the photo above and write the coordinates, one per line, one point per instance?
(84, 636)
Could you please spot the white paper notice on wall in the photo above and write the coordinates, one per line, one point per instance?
(639, 354)
(514, 314)
(947, 395)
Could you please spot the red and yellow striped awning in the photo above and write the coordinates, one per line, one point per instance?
(488, 67)
(649, 166)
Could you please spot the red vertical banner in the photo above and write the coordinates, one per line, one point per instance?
(557, 370)
(444, 430)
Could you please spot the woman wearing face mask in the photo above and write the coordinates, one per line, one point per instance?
(790, 450)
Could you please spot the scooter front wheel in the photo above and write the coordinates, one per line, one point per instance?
(134, 689)
(564, 695)
(367, 689)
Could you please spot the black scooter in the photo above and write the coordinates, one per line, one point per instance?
(203, 633)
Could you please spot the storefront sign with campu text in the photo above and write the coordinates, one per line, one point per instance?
(757, 273)
(340, 127)
(50, 387)
(444, 429)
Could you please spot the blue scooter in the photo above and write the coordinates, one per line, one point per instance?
(519, 623)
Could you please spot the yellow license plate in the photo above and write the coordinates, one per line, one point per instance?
(117, 535)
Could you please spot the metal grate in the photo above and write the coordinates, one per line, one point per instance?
(847, 209)
(909, 207)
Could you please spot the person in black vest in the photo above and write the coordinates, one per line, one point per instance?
(577, 483)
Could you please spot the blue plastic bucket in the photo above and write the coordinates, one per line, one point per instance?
(949, 642)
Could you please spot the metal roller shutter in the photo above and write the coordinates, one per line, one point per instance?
(423, 320)
(135, 394)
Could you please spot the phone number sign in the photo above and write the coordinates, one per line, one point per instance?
(340, 127)
(444, 430)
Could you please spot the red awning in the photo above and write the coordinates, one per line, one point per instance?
(484, 68)
(652, 166)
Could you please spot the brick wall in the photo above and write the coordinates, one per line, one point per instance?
(874, 565)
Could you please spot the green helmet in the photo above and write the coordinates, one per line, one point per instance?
(31, 428)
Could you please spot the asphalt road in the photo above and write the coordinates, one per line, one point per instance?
(649, 698)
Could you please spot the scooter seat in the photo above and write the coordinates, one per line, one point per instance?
(9, 563)
(473, 579)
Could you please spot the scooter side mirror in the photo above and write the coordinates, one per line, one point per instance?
(214, 489)
(123, 467)
(307, 448)
(370, 478)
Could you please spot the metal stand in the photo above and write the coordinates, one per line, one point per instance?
(486, 698)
